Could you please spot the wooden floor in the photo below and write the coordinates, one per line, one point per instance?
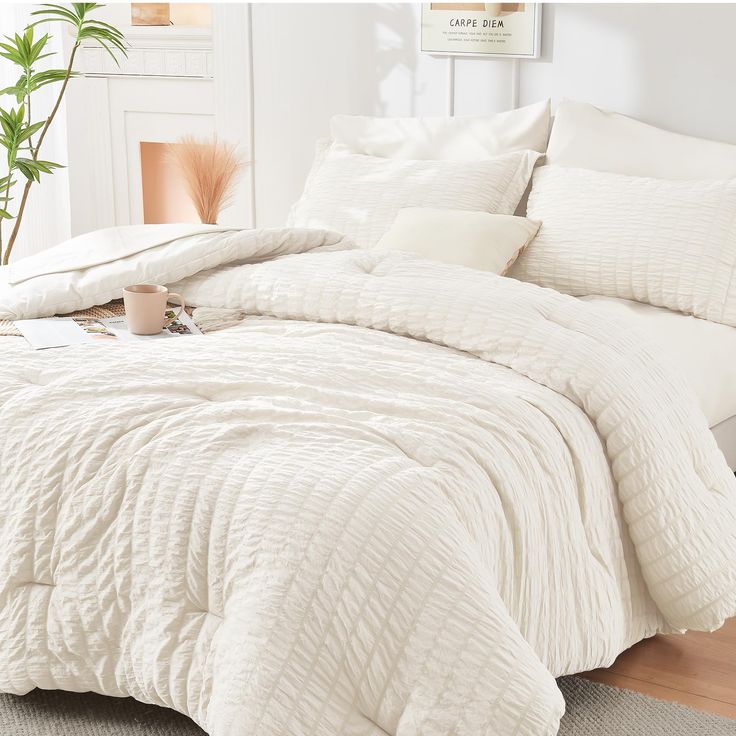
(694, 669)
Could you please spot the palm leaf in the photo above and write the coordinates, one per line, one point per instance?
(104, 34)
(50, 12)
(49, 76)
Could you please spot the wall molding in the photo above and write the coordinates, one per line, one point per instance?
(149, 62)
(155, 52)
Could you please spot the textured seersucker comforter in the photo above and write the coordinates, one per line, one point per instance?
(297, 525)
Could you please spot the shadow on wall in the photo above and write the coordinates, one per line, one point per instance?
(669, 65)
(393, 47)
(313, 61)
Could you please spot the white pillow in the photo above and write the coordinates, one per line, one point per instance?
(588, 138)
(474, 239)
(667, 243)
(444, 139)
(360, 196)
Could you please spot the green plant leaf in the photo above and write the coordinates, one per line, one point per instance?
(24, 50)
(56, 12)
(45, 167)
(20, 87)
(10, 53)
(26, 85)
(11, 122)
(32, 169)
(17, 91)
(107, 36)
(29, 173)
(30, 130)
(48, 76)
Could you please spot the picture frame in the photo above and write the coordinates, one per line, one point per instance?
(489, 30)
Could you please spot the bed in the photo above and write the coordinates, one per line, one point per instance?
(382, 494)
(372, 489)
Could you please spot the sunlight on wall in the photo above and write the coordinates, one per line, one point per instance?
(395, 50)
(587, 57)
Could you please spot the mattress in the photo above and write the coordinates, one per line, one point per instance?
(704, 352)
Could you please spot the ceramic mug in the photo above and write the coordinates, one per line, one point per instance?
(145, 308)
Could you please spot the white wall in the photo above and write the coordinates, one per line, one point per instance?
(311, 61)
(670, 65)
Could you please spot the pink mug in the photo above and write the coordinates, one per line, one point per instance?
(145, 308)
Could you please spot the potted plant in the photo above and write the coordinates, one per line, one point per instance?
(21, 136)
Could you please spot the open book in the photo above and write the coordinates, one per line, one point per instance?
(57, 332)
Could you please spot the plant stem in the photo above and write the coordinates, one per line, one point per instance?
(34, 154)
(30, 119)
(5, 207)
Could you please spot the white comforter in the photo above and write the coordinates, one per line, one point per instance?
(302, 526)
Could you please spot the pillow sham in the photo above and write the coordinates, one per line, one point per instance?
(475, 239)
(588, 138)
(666, 243)
(444, 139)
(360, 195)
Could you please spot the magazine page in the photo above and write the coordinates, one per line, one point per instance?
(56, 332)
(53, 332)
(183, 325)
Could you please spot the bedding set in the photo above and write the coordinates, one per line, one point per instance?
(389, 492)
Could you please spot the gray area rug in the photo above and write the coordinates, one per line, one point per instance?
(599, 710)
(592, 710)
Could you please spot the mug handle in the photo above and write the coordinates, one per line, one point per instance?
(178, 314)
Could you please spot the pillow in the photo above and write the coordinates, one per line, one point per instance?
(588, 138)
(667, 243)
(360, 196)
(474, 239)
(444, 139)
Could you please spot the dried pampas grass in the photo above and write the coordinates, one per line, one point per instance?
(210, 170)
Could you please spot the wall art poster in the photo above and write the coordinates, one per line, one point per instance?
(482, 29)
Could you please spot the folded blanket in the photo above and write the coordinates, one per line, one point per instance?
(301, 526)
(102, 247)
(94, 268)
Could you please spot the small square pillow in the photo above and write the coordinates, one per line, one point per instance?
(474, 239)
(360, 195)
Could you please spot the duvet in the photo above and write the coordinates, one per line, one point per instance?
(382, 496)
